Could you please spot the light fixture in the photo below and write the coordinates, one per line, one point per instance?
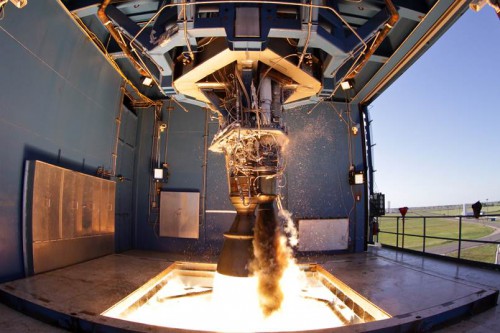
(359, 178)
(356, 177)
(355, 129)
(147, 81)
(346, 85)
(158, 174)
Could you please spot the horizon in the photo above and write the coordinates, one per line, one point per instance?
(489, 203)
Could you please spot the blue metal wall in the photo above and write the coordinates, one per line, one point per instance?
(185, 158)
(318, 161)
(125, 172)
(58, 102)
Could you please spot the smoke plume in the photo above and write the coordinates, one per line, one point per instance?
(271, 259)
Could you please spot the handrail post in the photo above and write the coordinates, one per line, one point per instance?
(424, 234)
(397, 232)
(459, 235)
(403, 237)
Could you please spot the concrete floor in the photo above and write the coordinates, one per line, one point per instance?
(13, 321)
(405, 285)
(485, 322)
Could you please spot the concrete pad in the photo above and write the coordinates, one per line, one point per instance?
(418, 293)
(14, 321)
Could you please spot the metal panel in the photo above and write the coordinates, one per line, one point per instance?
(71, 203)
(179, 214)
(107, 208)
(91, 198)
(131, 128)
(56, 254)
(69, 217)
(247, 22)
(46, 194)
(323, 235)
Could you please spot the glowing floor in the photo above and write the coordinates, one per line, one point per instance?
(230, 304)
(416, 294)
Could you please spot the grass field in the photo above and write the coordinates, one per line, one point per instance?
(437, 227)
(483, 253)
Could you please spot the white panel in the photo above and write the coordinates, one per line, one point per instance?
(179, 214)
(323, 235)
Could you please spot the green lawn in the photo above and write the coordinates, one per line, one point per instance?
(483, 253)
(438, 227)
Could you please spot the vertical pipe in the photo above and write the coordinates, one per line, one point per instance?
(403, 237)
(204, 181)
(118, 121)
(397, 232)
(266, 98)
(459, 235)
(368, 170)
(152, 182)
(309, 28)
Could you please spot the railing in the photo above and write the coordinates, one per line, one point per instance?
(476, 239)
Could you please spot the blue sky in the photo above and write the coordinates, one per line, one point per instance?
(437, 128)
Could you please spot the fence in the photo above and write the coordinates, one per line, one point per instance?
(458, 236)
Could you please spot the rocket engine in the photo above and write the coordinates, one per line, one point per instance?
(251, 136)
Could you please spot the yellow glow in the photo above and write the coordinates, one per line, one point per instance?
(206, 301)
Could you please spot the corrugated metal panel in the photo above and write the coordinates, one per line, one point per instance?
(46, 204)
(62, 207)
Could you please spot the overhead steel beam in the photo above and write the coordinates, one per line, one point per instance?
(413, 10)
(370, 27)
(129, 27)
(378, 58)
(317, 30)
(81, 4)
(411, 14)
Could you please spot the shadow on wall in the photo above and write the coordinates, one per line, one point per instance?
(34, 153)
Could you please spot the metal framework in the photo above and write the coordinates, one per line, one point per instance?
(326, 41)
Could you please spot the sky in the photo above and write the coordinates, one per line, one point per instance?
(437, 127)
